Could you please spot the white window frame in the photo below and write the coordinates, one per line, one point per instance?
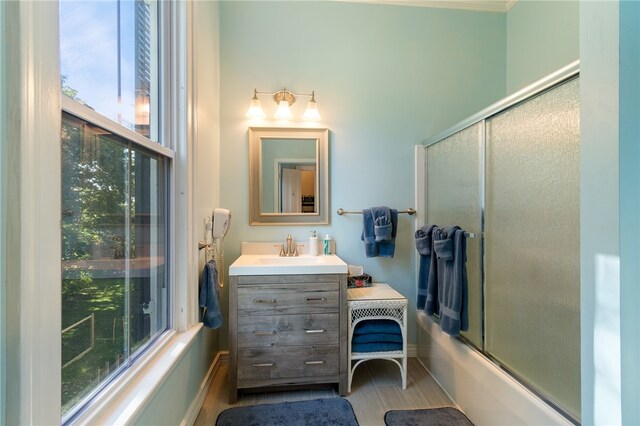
(34, 235)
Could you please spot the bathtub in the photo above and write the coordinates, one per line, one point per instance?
(485, 393)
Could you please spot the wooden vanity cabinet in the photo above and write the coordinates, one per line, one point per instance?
(287, 330)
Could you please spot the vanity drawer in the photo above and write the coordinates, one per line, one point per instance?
(262, 300)
(288, 362)
(281, 330)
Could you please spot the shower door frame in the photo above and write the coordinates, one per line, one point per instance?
(549, 82)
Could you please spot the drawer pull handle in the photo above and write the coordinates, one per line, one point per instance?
(321, 330)
(266, 364)
(264, 300)
(264, 333)
(316, 299)
(314, 362)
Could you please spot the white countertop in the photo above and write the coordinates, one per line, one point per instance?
(253, 262)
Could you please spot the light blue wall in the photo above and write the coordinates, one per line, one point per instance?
(542, 36)
(386, 78)
(629, 93)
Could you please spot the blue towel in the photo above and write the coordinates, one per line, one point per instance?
(368, 236)
(388, 248)
(382, 227)
(212, 316)
(377, 338)
(387, 244)
(377, 326)
(376, 347)
(451, 252)
(423, 245)
(432, 304)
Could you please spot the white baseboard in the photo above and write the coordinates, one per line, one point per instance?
(196, 405)
(412, 350)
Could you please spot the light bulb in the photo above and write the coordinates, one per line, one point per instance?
(311, 113)
(255, 109)
(283, 111)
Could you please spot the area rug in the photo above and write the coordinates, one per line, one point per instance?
(317, 412)
(445, 416)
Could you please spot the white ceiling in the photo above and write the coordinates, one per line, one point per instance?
(477, 5)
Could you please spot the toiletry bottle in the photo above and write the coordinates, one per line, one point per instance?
(313, 244)
(327, 244)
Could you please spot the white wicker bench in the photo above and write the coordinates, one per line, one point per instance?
(379, 301)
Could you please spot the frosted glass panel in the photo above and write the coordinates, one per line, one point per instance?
(532, 243)
(453, 198)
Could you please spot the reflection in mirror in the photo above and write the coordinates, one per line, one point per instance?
(288, 176)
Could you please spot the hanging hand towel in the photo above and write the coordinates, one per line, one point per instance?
(387, 244)
(388, 247)
(212, 316)
(432, 304)
(368, 236)
(453, 294)
(423, 245)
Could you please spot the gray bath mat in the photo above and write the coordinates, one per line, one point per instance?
(445, 416)
(317, 412)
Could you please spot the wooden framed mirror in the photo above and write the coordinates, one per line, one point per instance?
(288, 176)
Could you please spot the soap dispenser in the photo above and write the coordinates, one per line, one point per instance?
(313, 244)
(327, 244)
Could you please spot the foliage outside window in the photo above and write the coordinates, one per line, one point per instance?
(115, 295)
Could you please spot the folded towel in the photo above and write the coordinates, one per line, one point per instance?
(423, 240)
(382, 224)
(377, 326)
(423, 245)
(376, 347)
(212, 315)
(444, 248)
(377, 337)
(368, 235)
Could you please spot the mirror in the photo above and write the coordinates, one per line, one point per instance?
(288, 179)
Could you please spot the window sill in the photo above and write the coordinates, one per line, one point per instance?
(124, 399)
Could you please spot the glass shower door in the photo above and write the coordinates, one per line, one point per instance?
(454, 171)
(532, 232)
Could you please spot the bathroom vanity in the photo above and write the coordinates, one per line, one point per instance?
(287, 321)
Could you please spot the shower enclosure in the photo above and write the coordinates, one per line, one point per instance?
(510, 174)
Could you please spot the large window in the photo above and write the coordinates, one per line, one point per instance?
(109, 59)
(115, 293)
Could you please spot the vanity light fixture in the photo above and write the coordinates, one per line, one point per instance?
(284, 98)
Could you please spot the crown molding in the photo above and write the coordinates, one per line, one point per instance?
(510, 4)
(498, 6)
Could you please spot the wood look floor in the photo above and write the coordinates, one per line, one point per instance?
(376, 388)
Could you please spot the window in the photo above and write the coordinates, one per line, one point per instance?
(115, 292)
(109, 60)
